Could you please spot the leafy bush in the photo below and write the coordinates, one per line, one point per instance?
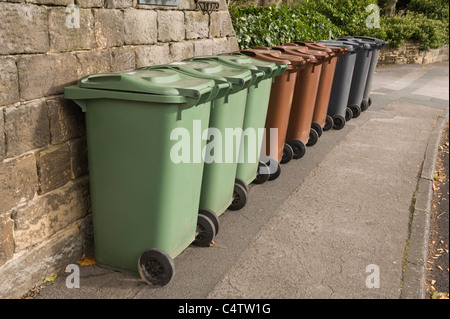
(433, 9)
(268, 26)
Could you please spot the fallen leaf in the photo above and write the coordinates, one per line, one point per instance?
(50, 279)
(85, 261)
(439, 295)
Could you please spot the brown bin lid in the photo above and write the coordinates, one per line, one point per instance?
(314, 56)
(266, 54)
(338, 51)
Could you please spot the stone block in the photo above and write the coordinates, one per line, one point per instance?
(197, 25)
(45, 259)
(226, 25)
(26, 127)
(66, 38)
(18, 181)
(78, 157)
(53, 167)
(66, 120)
(43, 75)
(49, 213)
(89, 3)
(203, 47)
(91, 62)
(152, 55)
(221, 45)
(6, 238)
(140, 26)
(9, 83)
(15, 18)
(109, 28)
(171, 26)
(214, 24)
(181, 50)
(52, 2)
(122, 59)
(118, 4)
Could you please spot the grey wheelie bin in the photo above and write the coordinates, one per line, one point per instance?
(378, 44)
(219, 188)
(337, 106)
(144, 199)
(362, 65)
(250, 168)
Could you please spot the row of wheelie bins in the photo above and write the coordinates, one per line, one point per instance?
(172, 147)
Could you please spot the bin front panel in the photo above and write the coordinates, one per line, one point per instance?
(141, 197)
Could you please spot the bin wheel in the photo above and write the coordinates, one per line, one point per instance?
(242, 183)
(205, 232)
(277, 172)
(298, 147)
(339, 122)
(239, 197)
(365, 104)
(288, 154)
(328, 123)
(369, 103)
(156, 267)
(317, 127)
(356, 110)
(263, 173)
(348, 114)
(212, 217)
(313, 137)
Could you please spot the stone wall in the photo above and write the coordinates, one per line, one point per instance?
(44, 193)
(409, 53)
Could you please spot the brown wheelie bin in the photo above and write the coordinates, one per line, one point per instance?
(321, 121)
(280, 103)
(299, 131)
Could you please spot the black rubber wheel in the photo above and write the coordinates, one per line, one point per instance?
(328, 123)
(317, 127)
(263, 174)
(242, 183)
(274, 175)
(156, 267)
(339, 122)
(364, 105)
(288, 154)
(369, 103)
(205, 232)
(239, 198)
(356, 110)
(298, 147)
(348, 114)
(212, 216)
(313, 137)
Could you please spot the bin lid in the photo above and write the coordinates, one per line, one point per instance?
(333, 51)
(238, 78)
(241, 61)
(158, 82)
(267, 54)
(373, 45)
(311, 56)
(352, 47)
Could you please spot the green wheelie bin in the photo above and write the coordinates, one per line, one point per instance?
(144, 198)
(250, 167)
(220, 190)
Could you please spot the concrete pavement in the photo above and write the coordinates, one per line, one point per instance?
(348, 220)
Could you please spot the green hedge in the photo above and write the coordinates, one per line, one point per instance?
(426, 21)
(268, 26)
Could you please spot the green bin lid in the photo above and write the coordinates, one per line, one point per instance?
(238, 60)
(161, 86)
(239, 79)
